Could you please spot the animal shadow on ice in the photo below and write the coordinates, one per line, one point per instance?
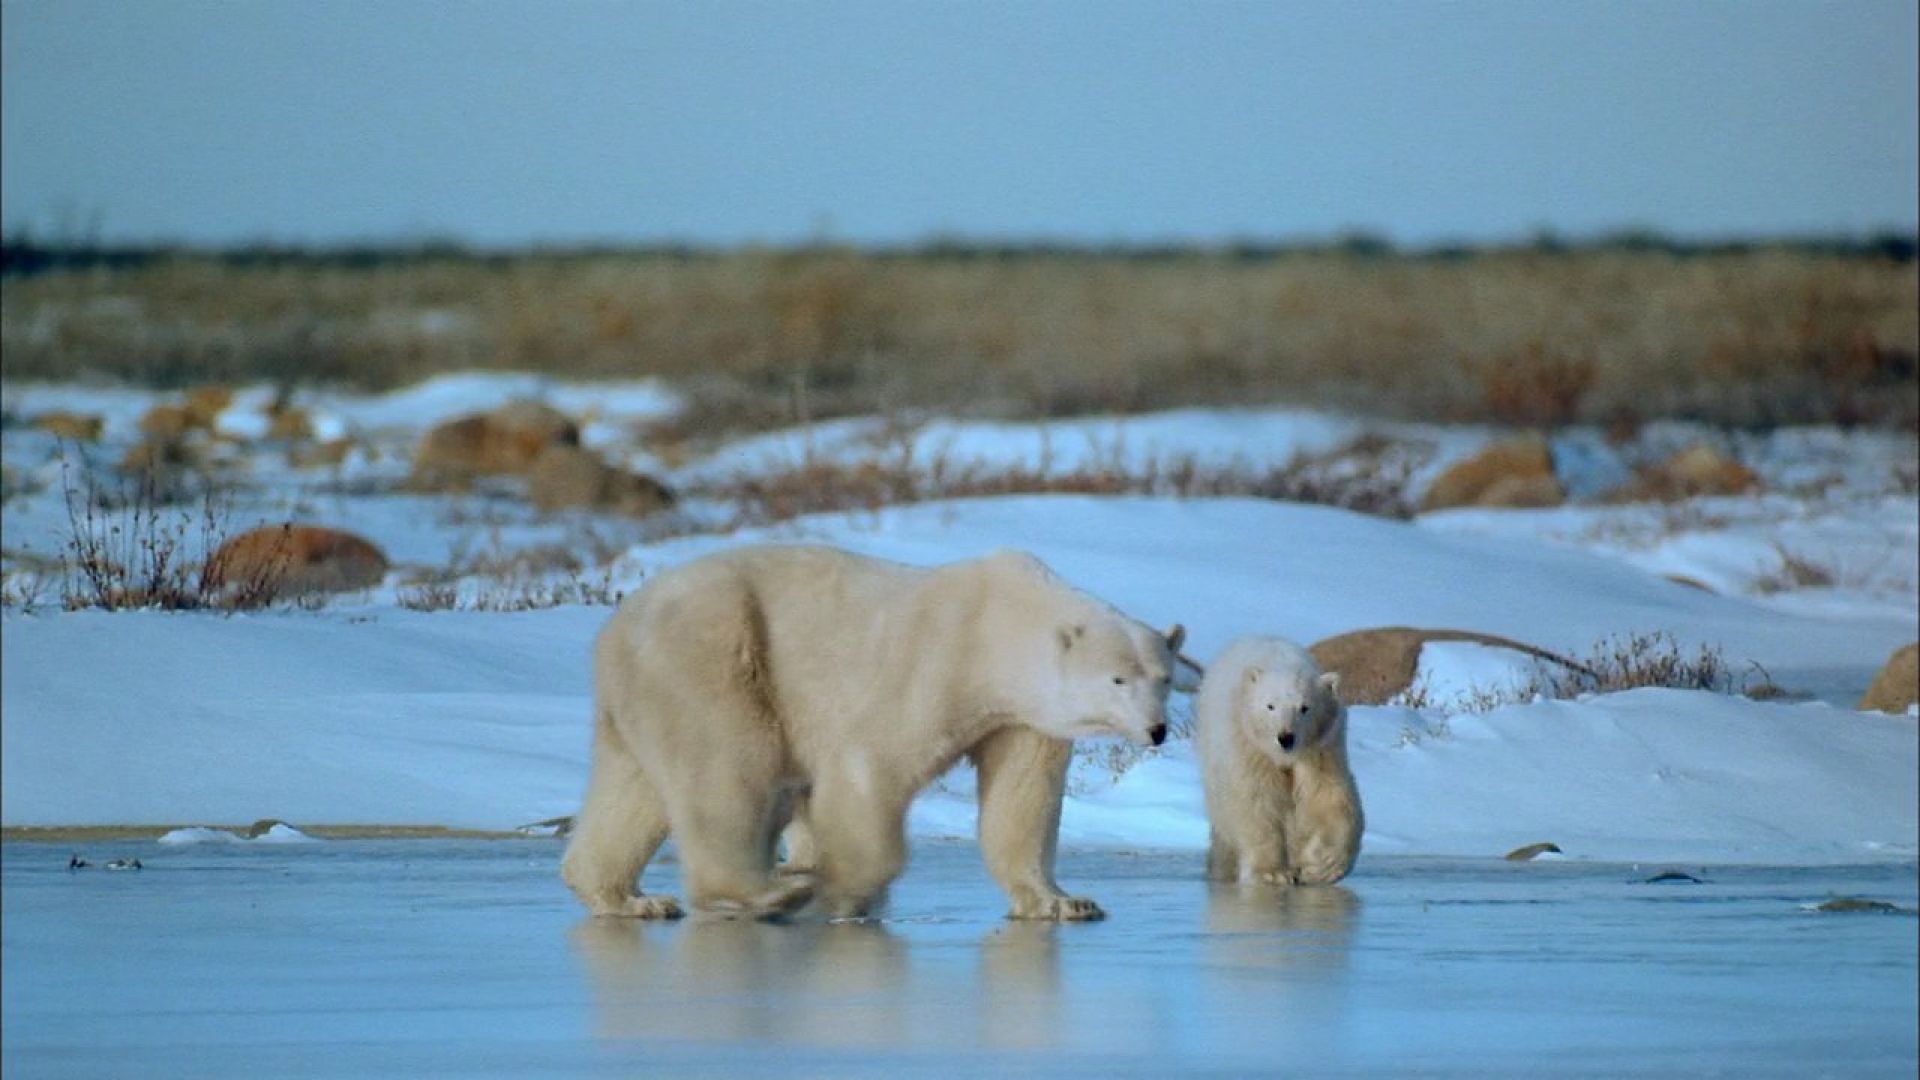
(1267, 926)
(830, 985)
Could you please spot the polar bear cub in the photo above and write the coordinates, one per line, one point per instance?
(1272, 737)
(743, 690)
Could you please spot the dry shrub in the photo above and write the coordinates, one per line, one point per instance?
(1536, 386)
(1794, 572)
(1744, 337)
(125, 549)
(523, 594)
(1367, 476)
(1625, 662)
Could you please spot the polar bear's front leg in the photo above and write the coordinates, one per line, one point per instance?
(1022, 776)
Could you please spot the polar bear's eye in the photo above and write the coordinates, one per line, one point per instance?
(1269, 706)
(1118, 681)
(1304, 709)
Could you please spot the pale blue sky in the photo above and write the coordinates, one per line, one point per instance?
(1097, 120)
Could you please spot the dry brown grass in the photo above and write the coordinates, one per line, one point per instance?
(1614, 335)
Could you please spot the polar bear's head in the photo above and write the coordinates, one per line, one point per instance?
(1112, 676)
(1064, 663)
(1288, 706)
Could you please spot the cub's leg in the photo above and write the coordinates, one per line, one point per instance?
(1022, 778)
(1260, 854)
(621, 823)
(1324, 830)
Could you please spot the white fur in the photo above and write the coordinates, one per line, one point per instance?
(1279, 814)
(778, 684)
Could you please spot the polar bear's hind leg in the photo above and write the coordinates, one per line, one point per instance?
(622, 822)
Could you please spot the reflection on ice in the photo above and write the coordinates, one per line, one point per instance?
(461, 957)
(718, 980)
(843, 985)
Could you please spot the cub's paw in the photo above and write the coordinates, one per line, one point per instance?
(1281, 878)
(649, 907)
(1058, 909)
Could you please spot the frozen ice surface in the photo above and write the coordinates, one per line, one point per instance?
(363, 958)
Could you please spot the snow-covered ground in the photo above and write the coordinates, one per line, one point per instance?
(367, 712)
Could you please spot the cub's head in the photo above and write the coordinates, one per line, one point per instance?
(1289, 707)
(1112, 678)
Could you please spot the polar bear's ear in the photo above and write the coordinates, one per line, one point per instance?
(1330, 682)
(1176, 637)
(1069, 634)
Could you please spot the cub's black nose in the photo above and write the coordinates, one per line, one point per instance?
(1158, 734)
(1286, 740)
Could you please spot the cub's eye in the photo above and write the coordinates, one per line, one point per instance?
(1269, 706)
(1305, 709)
(1118, 681)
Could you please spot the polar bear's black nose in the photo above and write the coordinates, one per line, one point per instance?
(1286, 740)
(1158, 733)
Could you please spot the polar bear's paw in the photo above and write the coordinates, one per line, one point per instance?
(649, 907)
(787, 896)
(1057, 909)
(1320, 872)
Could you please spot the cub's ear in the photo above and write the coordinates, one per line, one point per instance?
(1176, 637)
(1331, 683)
(1065, 637)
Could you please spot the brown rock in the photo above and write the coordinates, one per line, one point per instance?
(1377, 664)
(1515, 473)
(505, 441)
(1689, 582)
(166, 422)
(159, 454)
(204, 405)
(79, 427)
(289, 423)
(1696, 471)
(568, 477)
(287, 560)
(1897, 686)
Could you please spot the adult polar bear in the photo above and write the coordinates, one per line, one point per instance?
(730, 688)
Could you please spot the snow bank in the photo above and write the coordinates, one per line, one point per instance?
(382, 715)
(279, 833)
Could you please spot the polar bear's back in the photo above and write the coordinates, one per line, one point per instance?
(810, 639)
(759, 604)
